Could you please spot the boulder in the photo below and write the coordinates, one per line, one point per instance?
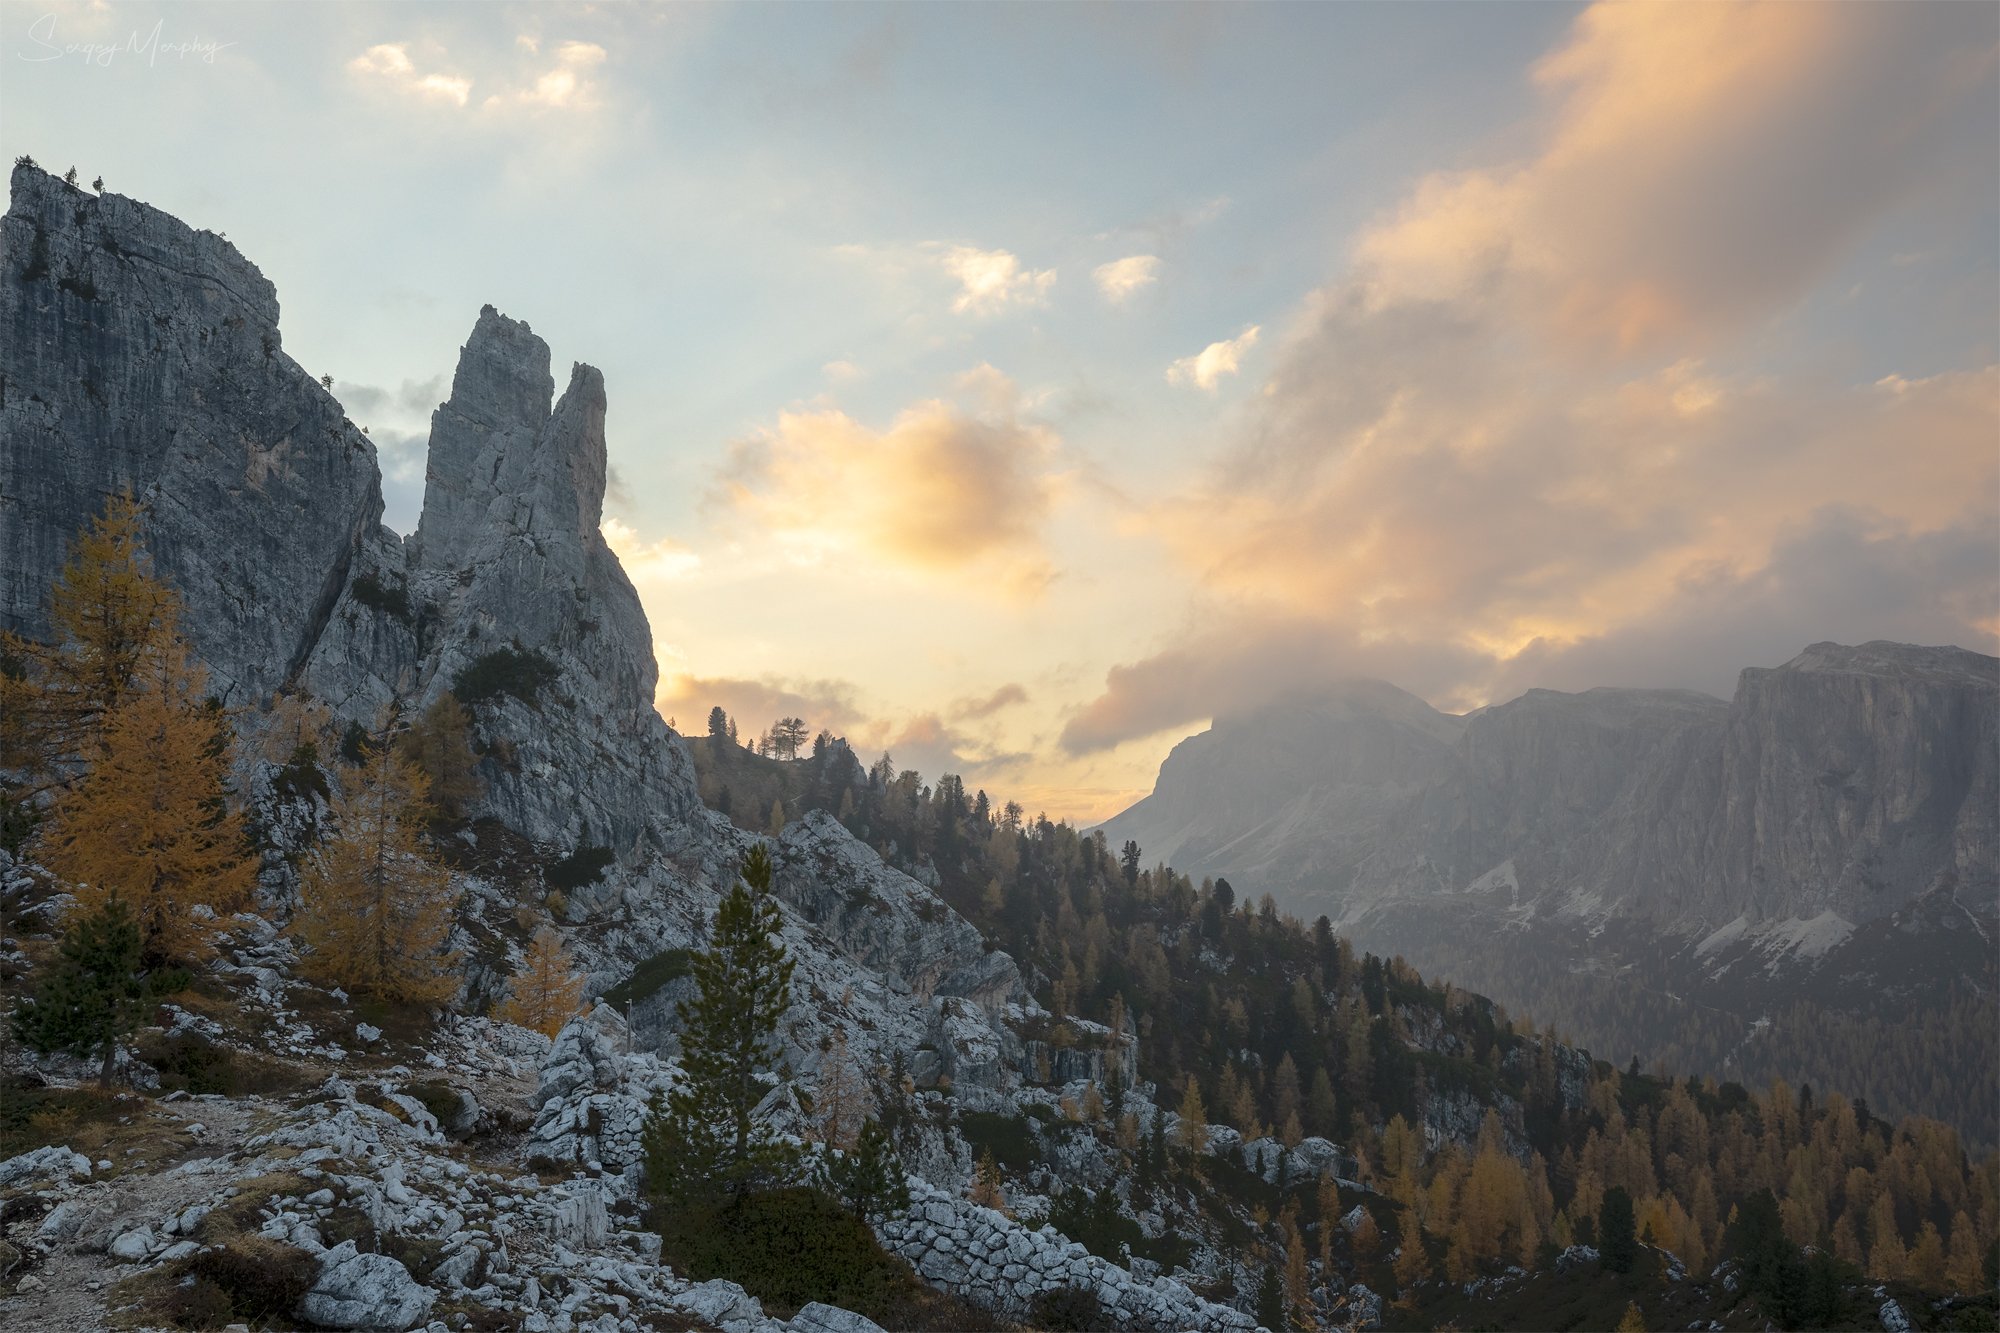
(365, 1291)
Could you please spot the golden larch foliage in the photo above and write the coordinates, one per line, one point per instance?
(548, 990)
(112, 620)
(148, 821)
(375, 910)
(840, 1100)
(1192, 1131)
(440, 743)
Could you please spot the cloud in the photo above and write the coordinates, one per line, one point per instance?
(663, 561)
(389, 63)
(839, 372)
(1701, 167)
(1517, 443)
(947, 487)
(1121, 278)
(1206, 368)
(993, 280)
(1005, 697)
(565, 83)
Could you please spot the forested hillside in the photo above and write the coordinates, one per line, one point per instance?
(1277, 1028)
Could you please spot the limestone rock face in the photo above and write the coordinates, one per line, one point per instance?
(1855, 778)
(138, 352)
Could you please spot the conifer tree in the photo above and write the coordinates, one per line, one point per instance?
(867, 1178)
(148, 822)
(1617, 1239)
(375, 908)
(98, 990)
(702, 1142)
(1192, 1131)
(440, 744)
(988, 1189)
(547, 990)
(111, 619)
(1269, 1307)
(839, 1099)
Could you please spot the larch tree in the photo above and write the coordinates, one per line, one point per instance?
(1192, 1131)
(376, 907)
(440, 743)
(547, 990)
(112, 618)
(840, 1101)
(149, 821)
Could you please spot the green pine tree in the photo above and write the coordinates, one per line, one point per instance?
(702, 1143)
(1617, 1239)
(1270, 1307)
(98, 991)
(869, 1178)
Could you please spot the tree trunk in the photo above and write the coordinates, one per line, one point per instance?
(110, 1056)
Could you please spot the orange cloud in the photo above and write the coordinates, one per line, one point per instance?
(944, 489)
(1701, 164)
(1503, 450)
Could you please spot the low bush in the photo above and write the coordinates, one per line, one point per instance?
(504, 671)
(585, 865)
(262, 1279)
(1009, 1138)
(787, 1248)
(649, 976)
(1068, 1308)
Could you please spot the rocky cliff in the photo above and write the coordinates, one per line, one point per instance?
(139, 352)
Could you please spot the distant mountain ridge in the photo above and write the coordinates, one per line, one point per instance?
(1850, 780)
(1656, 871)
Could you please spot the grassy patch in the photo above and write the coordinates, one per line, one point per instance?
(247, 1280)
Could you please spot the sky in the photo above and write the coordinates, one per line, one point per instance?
(1017, 388)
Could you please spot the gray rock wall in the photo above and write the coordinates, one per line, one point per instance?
(138, 352)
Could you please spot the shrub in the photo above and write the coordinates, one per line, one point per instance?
(648, 977)
(1009, 1138)
(1067, 1308)
(262, 1279)
(196, 1302)
(301, 776)
(787, 1248)
(389, 598)
(504, 671)
(585, 865)
(192, 1062)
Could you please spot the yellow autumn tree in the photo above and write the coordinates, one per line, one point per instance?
(149, 820)
(440, 743)
(840, 1099)
(112, 619)
(547, 990)
(1192, 1131)
(1413, 1263)
(375, 909)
